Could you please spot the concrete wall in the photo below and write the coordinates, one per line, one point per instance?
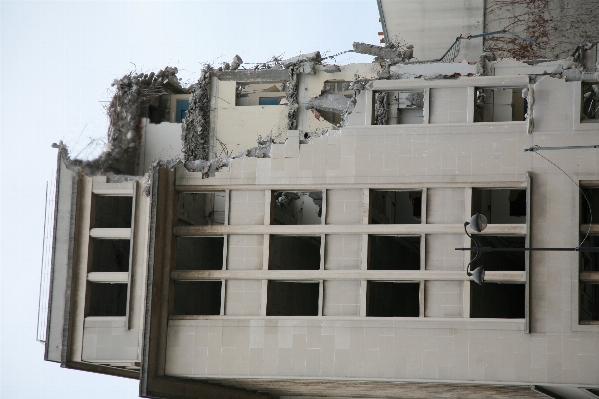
(443, 343)
(432, 26)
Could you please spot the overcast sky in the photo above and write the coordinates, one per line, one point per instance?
(57, 61)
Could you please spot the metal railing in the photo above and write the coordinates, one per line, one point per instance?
(45, 273)
(454, 50)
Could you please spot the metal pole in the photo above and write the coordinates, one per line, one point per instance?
(535, 148)
(489, 249)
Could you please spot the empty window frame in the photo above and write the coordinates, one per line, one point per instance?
(291, 298)
(399, 107)
(499, 260)
(589, 302)
(197, 297)
(500, 206)
(105, 299)
(589, 261)
(200, 253)
(296, 207)
(108, 255)
(393, 252)
(395, 207)
(392, 299)
(332, 101)
(202, 209)
(294, 252)
(497, 300)
(111, 211)
(590, 102)
(500, 104)
(264, 94)
(592, 195)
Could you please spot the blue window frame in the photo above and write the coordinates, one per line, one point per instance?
(269, 101)
(182, 107)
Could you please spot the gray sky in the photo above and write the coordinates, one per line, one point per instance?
(57, 61)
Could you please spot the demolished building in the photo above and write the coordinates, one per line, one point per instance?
(289, 229)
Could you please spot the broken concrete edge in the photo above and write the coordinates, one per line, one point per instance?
(98, 167)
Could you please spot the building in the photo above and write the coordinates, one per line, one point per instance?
(313, 252)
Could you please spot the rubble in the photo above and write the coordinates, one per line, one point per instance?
(236, 63)
(195, 128)
(329, 100)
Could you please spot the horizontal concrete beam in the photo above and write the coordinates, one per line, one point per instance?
(108, 277)
(113, 234)
(182, 186)
(589, 277)
(381, 229)
(486, 81)
(584, 228)
(315, 275)
(251, 76)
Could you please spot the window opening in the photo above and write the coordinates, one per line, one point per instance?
(592, 195)
(393, 252)
(589, 261)
(109, 255)
(497, 300)
(111, 211)
(500, 206)
(197, 297)
(395, 207)
(182, 108)
(107, 299)
(502, 261)
(295, 207)
(590, 102)
(392, 299)
(589, 302)
(332, 101)
(288, 298)
(200, 253)
(399, 107)
(294, 252)
(271, 93)
(202, 209)
(500, 104)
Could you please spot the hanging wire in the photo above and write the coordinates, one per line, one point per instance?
(535, 149)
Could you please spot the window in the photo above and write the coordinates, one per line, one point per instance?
(289, 298)
(588, 301)
(271, 93)
(499, 301)
(295, 207)
(392, 299)
(108, 258)
(502, 261)
(395, 207)
(111, 211)
(500, 206)
(182, 108)
(107, 299)
(500, 104)
(202, 209)
(393, 252)
(270, 100)
(294, 252)
(590, 102)
(197, 297)
(200, 253)
(109, 255)
(399, 107)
